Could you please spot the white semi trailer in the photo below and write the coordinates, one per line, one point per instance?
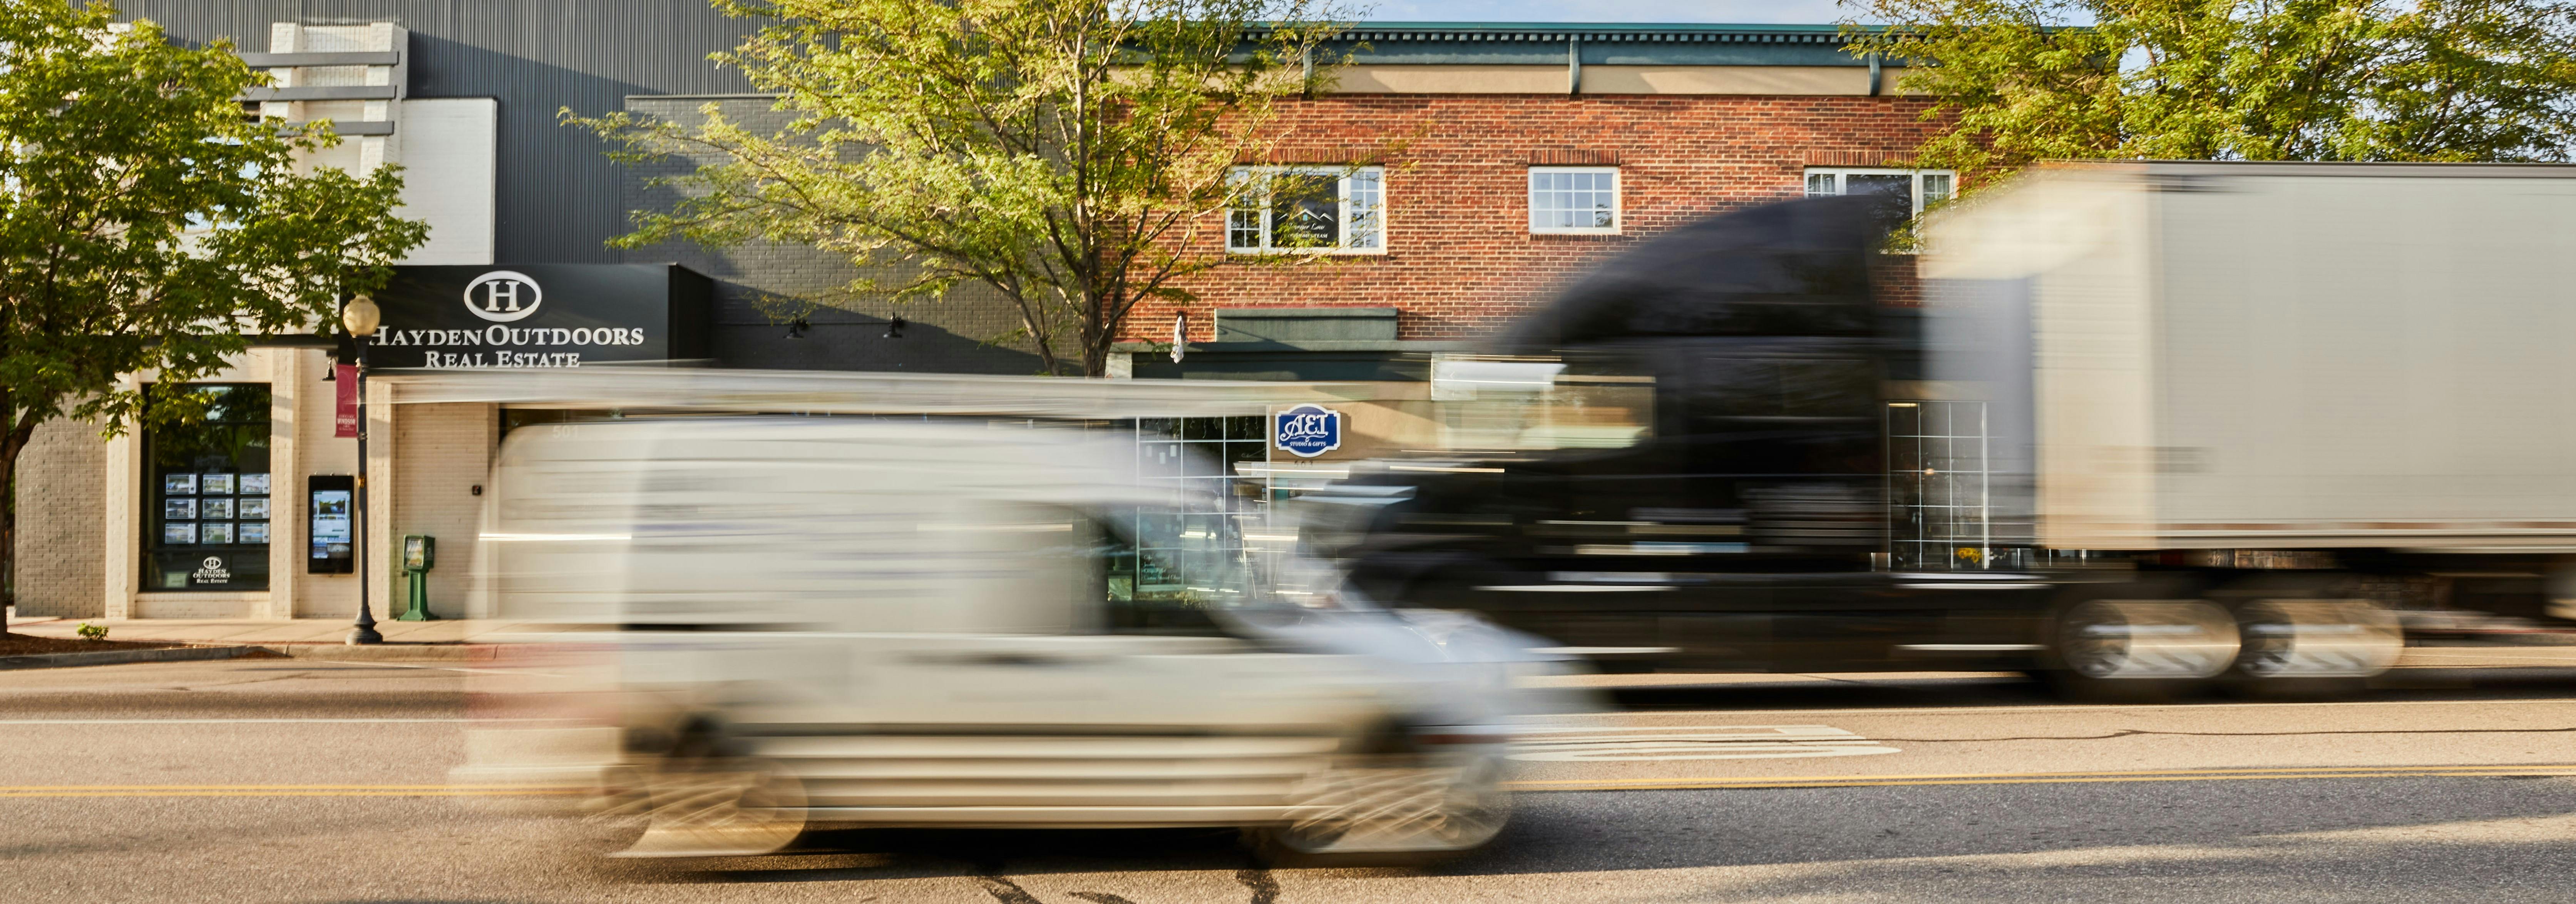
(2276, 356)
(2338, 381)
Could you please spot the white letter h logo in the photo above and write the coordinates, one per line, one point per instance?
(500, 290)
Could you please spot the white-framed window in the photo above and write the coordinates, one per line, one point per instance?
(1907, 190)
(1332, 210)
(1577, 200)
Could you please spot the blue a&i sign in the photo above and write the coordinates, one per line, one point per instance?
(1307, 431)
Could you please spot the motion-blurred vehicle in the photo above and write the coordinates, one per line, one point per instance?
(2163, 424)
(741, 627)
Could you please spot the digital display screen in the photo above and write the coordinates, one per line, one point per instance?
(333, 529)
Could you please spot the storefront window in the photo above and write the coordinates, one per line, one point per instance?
(1514, 404)
(206, 494)
(1218, 464)
(1189, 561)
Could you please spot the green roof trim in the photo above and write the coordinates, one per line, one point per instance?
(1606, 31)
(1587, 28)
(1598, 43)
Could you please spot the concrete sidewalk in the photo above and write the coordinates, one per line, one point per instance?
(462, 640)
(263, 632)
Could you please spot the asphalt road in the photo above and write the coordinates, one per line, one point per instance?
(275, 780)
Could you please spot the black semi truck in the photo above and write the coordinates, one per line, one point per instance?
(2159, 425)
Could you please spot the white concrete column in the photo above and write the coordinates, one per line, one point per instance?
(382, 500)
(288, 370)
(123, 524)
(284, 37)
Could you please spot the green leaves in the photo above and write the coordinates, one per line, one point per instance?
(147, 224)
(2024, 80)
(1064, 152)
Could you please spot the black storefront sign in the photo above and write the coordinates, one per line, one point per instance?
(541, 315)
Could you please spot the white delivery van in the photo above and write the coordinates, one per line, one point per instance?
(756, 625)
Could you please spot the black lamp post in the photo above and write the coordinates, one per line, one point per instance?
(361, 317)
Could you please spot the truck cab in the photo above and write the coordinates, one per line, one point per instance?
(1741, 524)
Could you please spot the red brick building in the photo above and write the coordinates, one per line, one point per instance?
(1481, 135)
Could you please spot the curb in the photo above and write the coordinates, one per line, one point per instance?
(386, 652)
(119, 657)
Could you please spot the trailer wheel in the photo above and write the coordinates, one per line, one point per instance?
(2314, 647)
(2138, 649)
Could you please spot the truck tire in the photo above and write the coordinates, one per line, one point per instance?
(2313, 645)
(2138, 643)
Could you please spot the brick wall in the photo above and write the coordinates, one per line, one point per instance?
(443, 451)
(61, 519)
(1894, 279)
(1460, 260)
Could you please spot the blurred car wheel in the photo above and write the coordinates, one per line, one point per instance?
(713, 807)
(1393, 810)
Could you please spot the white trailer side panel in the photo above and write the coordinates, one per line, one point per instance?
(2291, 355)
(2351, 359)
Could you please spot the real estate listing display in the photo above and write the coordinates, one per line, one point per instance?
(207, 494)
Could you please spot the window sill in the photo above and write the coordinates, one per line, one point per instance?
(1583, 232)
(1305, 252)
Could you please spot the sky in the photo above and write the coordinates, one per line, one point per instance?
(1803, 12)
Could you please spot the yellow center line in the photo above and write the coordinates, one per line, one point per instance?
(2042, 778)
(281, 790)
(2212, 770)
(364, 787)
(11, 794)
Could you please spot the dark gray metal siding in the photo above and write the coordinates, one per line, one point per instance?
(559, 196)
(762, 285)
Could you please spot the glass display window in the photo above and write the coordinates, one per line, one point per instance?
(206, 470)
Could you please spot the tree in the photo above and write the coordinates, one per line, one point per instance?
(2016, 81)
(149, 227)
(1064, 152)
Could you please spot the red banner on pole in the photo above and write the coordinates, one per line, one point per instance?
(345, 378)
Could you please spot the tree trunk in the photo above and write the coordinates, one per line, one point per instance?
(10, 445)
(1095, 357)
(21, 429)
(8, 539)
(1098, 333)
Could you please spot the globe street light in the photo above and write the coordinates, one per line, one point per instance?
(361, 317)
